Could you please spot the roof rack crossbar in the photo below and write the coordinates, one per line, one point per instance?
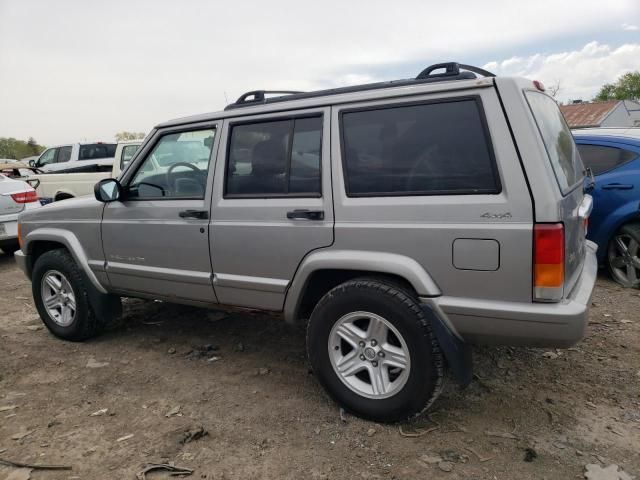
(452, 71)
(260, 96)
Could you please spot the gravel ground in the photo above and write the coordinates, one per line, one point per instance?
(109, 406)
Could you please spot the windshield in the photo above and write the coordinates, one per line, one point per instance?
(561, 148)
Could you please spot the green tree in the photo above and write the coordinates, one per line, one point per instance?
(627, 87)
(123, 136)
(18, 149)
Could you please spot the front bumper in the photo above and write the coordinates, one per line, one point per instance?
(22, 261)
(530, 324)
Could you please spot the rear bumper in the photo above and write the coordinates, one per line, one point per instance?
(530, 324)
(10, 223)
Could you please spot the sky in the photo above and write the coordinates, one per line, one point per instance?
(77, 70)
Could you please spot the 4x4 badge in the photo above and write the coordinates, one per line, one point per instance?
(496, 216)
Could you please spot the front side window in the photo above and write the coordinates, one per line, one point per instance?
(275, 158)
(558, 141)
(48, 157)
(601, 159)
(96, 151)
(177, 167)
(423, 149)
(127, 154)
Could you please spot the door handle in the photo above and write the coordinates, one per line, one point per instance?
(197, 214)
(617, 186)
(306, 214)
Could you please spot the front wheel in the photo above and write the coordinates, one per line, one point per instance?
(372, 348)
(61, 297)
(623, 256)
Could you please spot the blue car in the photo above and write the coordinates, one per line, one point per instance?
(613, 155)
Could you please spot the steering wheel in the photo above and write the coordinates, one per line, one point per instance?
(180, 164)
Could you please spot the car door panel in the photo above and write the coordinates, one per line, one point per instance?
(152, 247)
(258, 243)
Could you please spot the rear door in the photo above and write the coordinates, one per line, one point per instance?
(272, 204)
(614, 167)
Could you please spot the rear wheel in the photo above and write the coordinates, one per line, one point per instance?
(371, 347)
(61, 297)
(623, 256)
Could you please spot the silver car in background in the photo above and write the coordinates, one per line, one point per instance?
(16, 197)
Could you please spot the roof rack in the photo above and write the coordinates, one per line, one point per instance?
(452, 71)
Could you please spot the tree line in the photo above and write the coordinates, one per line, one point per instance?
(13, 148)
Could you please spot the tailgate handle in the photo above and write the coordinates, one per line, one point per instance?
(617, 186)
(306, 214)
(198, 214)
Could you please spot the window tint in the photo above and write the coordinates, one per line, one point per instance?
(436, 148)
(95, 151)
(177, 167)
(48, 157)
(64, 154)
(127, 154)
(275, 158)
(558, 140)
(601, 159)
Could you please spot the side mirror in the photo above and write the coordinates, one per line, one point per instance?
(34, 182)
(108, 190)
(32, 163)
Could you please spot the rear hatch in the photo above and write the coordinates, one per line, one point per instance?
(574, 206)
(7, 205)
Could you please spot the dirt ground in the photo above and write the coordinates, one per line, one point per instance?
(244, 378)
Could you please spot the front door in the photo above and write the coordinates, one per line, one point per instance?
(272, 204)
(156, 240)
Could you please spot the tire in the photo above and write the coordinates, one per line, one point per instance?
(623, 256)
(10, 248)
(58, 266)
(358, 306)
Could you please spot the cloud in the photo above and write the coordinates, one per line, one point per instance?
(629, 27)
(580, 73)
(73, 69)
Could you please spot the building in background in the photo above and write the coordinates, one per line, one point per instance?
(610, 113)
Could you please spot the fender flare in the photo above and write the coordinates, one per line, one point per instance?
(72, 243)
(370, 261)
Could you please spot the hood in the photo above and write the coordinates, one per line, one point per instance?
(81, 208)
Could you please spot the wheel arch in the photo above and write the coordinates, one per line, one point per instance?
(43, 240)
(63, 195)
(322, 270)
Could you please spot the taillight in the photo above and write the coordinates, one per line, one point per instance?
(20, 240)
(27, 196)
(548, 261)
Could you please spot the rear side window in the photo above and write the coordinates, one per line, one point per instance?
(558, 141)
(64, 154)
(275, 158)
(423, 149)
(95, 151)
(127, 154)
(601, 159)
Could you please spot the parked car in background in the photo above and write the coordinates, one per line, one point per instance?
(16, 196)
(76, 157)
(401, 221)
(54, 186)
(613, 155)
(16, 168)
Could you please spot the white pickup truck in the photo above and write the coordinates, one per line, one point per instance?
(76, 157)
(52, 186)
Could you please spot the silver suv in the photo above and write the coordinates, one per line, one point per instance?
(403, 220)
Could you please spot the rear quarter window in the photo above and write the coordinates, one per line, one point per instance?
(95, 151)
(601, 159)
(558, 140)
(435, 148)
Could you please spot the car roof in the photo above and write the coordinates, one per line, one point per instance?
(629, 132)
(617, 138)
